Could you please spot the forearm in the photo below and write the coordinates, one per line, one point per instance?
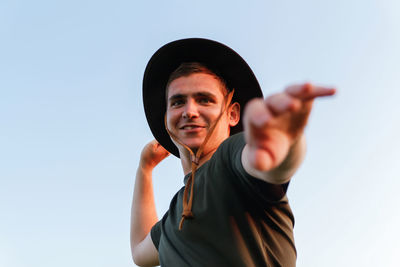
(143, 213)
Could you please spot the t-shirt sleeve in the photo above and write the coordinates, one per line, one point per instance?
(232, 156)
(155, 234)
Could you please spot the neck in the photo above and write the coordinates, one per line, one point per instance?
(186, 160)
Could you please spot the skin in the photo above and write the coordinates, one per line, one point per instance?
(273, 128)
(143, 213)
(194, 103)
(275, 144)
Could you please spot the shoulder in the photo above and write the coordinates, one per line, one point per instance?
(236, 139)
(228, 154)
(229, 157)
(233, 144)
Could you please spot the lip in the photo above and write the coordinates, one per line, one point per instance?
(191, 128)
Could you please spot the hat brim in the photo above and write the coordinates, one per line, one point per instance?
(230, 65)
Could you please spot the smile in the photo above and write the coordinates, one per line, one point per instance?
(191, 127)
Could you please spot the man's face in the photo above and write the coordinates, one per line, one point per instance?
(194, 103)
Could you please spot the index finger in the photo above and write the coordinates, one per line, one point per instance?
(308, 91)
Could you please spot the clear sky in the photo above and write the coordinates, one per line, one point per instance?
(72, 123)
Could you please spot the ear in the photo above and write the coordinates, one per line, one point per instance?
(234, 114)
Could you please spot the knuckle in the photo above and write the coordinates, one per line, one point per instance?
(306, 88)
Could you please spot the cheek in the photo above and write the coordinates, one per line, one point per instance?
(213, 114)
(171, 117)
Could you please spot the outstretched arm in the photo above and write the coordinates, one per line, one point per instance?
(275, 145)
(143, 214)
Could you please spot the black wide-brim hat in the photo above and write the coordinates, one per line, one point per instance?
(216, 56)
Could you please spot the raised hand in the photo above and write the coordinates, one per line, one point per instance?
(274, 125)
(152, 154)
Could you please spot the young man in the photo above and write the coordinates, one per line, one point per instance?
(233, 210)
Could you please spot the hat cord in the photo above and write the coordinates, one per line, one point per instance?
(187, 205)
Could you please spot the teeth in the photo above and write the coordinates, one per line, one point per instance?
(189, 127)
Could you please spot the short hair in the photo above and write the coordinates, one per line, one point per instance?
(188, 68)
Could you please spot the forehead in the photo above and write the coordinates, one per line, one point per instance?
(196, 82)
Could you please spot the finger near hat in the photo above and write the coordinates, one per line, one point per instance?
(309, 91)
(256, 113)
(281, 103)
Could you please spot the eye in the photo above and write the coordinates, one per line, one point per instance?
(177, 103)
(204, 100)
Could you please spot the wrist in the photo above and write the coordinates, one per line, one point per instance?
(145, 168)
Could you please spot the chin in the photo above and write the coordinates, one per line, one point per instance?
(193, 144)
(194, 147)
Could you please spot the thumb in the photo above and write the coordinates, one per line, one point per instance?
(257, 114)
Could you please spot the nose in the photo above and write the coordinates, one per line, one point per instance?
(190, 110)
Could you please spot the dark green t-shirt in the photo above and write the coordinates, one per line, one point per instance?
(238, 220)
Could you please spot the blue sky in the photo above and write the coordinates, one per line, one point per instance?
(72, 121)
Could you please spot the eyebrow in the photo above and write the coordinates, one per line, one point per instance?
(175, 97)
(207, 94)
(201, 94)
